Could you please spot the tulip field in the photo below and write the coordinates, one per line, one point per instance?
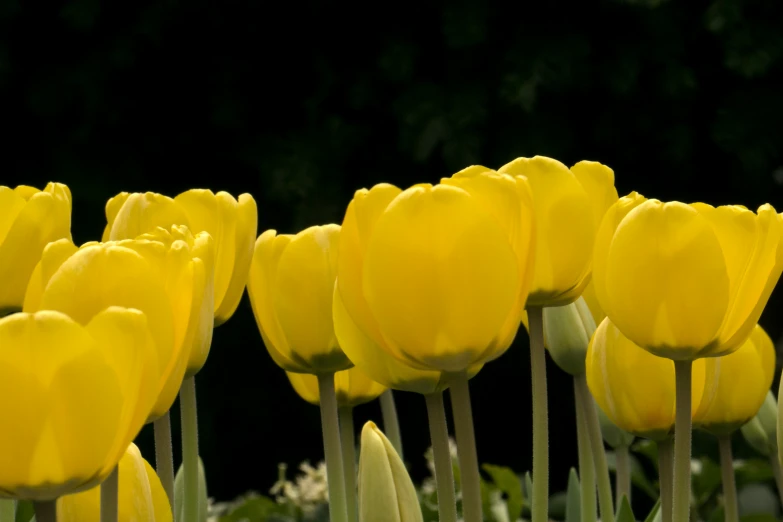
(652, 308)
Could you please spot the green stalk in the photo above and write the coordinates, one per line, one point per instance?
(586, 468)
(335, 477)
(348, 443)
(622, 481)
(45, 511)
(776, 469)
(110, 492)
(7, 510)
(599, 454)
(665, 476)
(391, 423)
(189, 420)
(682, 442)
(466, 448)
(164, 455)
(540, 500)
(444, 473)
(727, 477)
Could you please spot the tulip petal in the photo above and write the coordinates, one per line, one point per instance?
(598, 181)
(247, 226)
(140, 213)
(113, 207)
(54, 255)
(160, 502)
(306, 386)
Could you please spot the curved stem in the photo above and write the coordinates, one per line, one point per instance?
(110, 497)
(466, 448)
(727, 477)
(391, 423)
(586, 468)
(776, 469)
(665, 476)
(444, 473)
(164, 455)
(189, 420)
(540, 500)
(682, 442)
(599, 454)
(45, 511)
(348, 443)
(623, 475)
(335, 476)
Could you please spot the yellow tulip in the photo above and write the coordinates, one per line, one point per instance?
(164, 274)
(232, 224)
(290, 285)
(29, 219)
(569, 205)
(141, 495)
(686, 281)
(633, 387)
(73, 398)
(434, 275)
(736, 385)
(352, 387)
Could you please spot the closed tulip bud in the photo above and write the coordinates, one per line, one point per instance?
(614, 436)
(569, 206)
(633, 387)
(352, 387)
(141, 495)
(67, 424)
(686, 281)
(231, 222)
(290, 285)
(735, 389)
(761, 431)
(29, 219)
(386, 492)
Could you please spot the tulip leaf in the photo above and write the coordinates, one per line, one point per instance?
(557, 505)
(179, 493)
(655, 514)
(706, 479)
(507, 481)
(254, 509)
(638, 478)
(528, 488)
(648, 449)
(24, 511)
(625, 513)
(758, 517)
(573, 512)
(751, 471)
(757, 499)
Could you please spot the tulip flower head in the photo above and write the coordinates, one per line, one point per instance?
(76, 394)
(231, 222)
(569, 205)
(737, 386)
(760, 432)
(686, 281)
(29, 220)
(141, 495)
(352, 387)
(290, 286)
(633, 387)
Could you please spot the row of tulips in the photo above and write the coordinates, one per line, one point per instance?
(416, 291)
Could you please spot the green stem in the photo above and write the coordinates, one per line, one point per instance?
(540, 501)
(110, 491)
(623, 475)
(776, 469)
(441, 455)
(682, 442)
(391, 423)
(665, 476)
(727, 477)
(189, 421)
(45, 511)
(7, 510)
(335, 477)
(466, 448)
(599, 454)
(348, 443)
(164, 455)
(586, 468)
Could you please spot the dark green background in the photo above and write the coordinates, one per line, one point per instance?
(301, 103)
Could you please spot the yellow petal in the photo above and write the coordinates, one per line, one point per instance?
(113, 207)
(306, 386)
(247, 226)
(666, 280)
(565, 230)
(53, 256)
(598, 181)
(592, 303)
(140, 213)
(160, 502)
(766, 349)
(354, 387)
(26, 192)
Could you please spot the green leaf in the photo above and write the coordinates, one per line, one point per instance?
(706, 481)
(256, 509)
(507, 481)
(638, 478)
(557, 505)
(655, 514)
(24, 511)
(625, 513)
(757, 499)
(758, 517)
(752, 471)
(648, 449)
(529, 488)
(179, 493)
(573, 511)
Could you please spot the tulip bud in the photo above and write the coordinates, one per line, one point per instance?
(386, 492)
(567, 330)
(761, 431)
(613, 435)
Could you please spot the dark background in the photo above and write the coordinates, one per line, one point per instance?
(301, 103)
